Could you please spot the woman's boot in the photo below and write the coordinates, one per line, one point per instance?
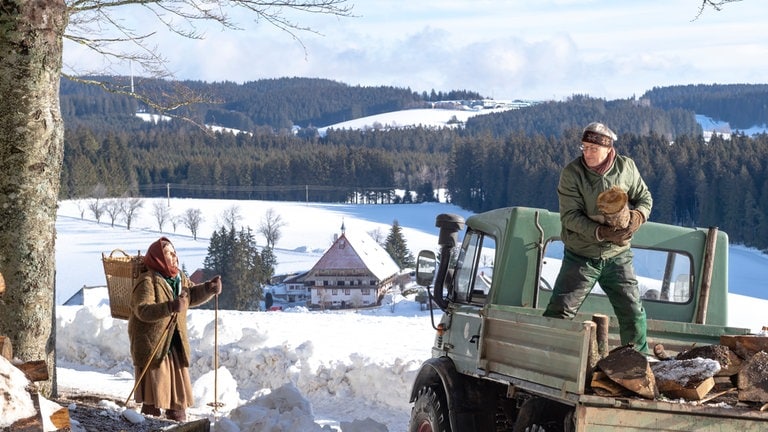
(176, 415)
(150, 410)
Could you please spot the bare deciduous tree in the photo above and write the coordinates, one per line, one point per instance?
(356, 299)
(324, 297)
(81, 207)
(112, 208)
(377, 235)
(96, 205)
(192, 218)
(97, 208)
(129, 207)
(162, 214)
(270, 227)
(32, 133)
(231, 216)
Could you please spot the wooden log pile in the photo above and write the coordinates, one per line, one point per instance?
(48, 417)
(735, 372)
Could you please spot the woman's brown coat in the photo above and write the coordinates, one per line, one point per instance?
(150, 316)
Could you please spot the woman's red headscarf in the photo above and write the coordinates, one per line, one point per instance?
(155, 259)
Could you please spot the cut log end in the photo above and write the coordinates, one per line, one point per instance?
(630, 369)
(752, 379)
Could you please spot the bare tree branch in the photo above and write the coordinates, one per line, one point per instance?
(714, 4)
(182, 17)
(99, 26)
(165, 103)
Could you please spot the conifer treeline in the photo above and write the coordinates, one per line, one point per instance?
(742, 105)
(723, 183)
(144, 159)
(556, 118)
(280, 103)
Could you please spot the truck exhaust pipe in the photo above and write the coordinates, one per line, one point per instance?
(450, 225)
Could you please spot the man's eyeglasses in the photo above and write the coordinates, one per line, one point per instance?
(589, 149)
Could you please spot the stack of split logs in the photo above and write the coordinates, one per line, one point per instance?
(732, 372)
(35, 371)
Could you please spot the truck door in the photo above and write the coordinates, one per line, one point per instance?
(472, 277)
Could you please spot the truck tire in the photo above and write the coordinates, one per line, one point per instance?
(542, 415)
(430, 412)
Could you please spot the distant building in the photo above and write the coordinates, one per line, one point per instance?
(198, 276)
(89, 296)
(291, 288)
(354, 272)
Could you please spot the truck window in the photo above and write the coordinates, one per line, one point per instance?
(474, 268)
(663, 276)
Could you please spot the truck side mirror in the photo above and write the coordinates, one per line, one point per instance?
(425, 268)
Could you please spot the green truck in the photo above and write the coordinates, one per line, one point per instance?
(498, 365)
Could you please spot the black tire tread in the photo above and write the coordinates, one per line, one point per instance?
(431, 406)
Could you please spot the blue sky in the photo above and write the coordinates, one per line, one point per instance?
(548, 49)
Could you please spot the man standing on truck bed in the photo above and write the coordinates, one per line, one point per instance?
(595, 252)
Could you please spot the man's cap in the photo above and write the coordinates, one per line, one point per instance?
(598, 133)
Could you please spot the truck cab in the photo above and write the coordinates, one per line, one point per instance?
(498, 364)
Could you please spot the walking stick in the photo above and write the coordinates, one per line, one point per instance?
(215, 404)
(171, 322)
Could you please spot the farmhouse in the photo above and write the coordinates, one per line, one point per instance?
(290, 288)
(354, 272)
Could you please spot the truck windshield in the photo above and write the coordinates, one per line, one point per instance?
(474, 268)
(663, 276)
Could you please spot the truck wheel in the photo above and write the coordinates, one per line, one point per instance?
(430, 412)
(542, 415)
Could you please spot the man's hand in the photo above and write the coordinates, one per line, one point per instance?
(180, 304)
(213, 286)
(635, 220)
(618, 220)
(618, 236)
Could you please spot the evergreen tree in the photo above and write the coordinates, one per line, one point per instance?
(425, 193)
(246, 272)
(397, 248)
(235, 257)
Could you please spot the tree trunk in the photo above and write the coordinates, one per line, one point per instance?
(31, 150)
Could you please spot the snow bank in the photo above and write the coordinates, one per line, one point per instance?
(278, 371)
(15, 401)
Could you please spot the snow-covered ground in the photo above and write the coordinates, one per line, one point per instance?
(425, 117)
(723, 129)
(285, 371)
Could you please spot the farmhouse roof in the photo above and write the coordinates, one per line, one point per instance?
(356, 252)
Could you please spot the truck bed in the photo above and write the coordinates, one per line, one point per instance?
(551, 358)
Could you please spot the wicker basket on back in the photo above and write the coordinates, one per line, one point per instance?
(121, 271)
